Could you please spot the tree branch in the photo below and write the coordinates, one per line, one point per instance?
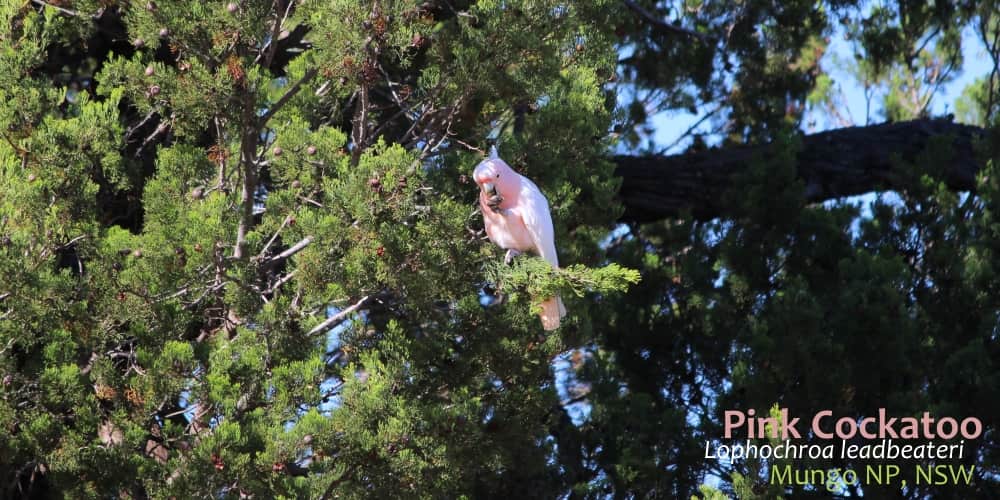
(281, 281)
(279, 20)
(329, 322)
(833, 164)
(663, 25)
(287, 96)
(294, 249)
(63, 10)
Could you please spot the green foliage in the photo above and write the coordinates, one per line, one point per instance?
(539, 279)
(242, 257)
(187, 196)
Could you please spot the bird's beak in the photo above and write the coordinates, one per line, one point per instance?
(493, 198)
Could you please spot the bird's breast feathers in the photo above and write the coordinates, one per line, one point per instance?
(508, 228)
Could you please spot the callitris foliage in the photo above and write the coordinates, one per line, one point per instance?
(190, 189)
(201, 184)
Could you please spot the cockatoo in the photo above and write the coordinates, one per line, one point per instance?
(517, 219)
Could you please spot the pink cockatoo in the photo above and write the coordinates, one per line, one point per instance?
(517, 219)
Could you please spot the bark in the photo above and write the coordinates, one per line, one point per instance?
(832, 164)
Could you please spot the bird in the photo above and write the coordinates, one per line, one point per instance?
(517, 219)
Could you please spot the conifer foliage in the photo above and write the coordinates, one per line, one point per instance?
(241, 256)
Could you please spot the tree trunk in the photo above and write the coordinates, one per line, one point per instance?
(832, 164)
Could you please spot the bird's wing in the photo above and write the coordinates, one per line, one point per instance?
(534, 211)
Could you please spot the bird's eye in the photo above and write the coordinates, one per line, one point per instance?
(498, 176)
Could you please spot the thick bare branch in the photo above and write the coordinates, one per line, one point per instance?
(832, 164)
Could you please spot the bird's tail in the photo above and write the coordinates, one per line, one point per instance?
(552, 311)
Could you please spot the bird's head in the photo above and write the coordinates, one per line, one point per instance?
(496, 181)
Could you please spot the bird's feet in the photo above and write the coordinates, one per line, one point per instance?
(494, 203)
(507, 259)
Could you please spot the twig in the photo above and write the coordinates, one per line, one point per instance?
(311, 201)
(56, 7)
(220, 140)
(287, 96)
(689, 130)
(209, 289)
(328, 322)
(659, 23)
(294, 249)
(281, 281)
(359, 125)
(19, 150)
(71, 242)
(274, 237)
(572, 401)
(269, 49)
(161, 128)
(178, 293)
(134, 128)
(468, 146)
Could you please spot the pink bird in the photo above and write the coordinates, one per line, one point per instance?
(517, 219)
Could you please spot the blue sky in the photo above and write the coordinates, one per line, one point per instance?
(670, 126)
